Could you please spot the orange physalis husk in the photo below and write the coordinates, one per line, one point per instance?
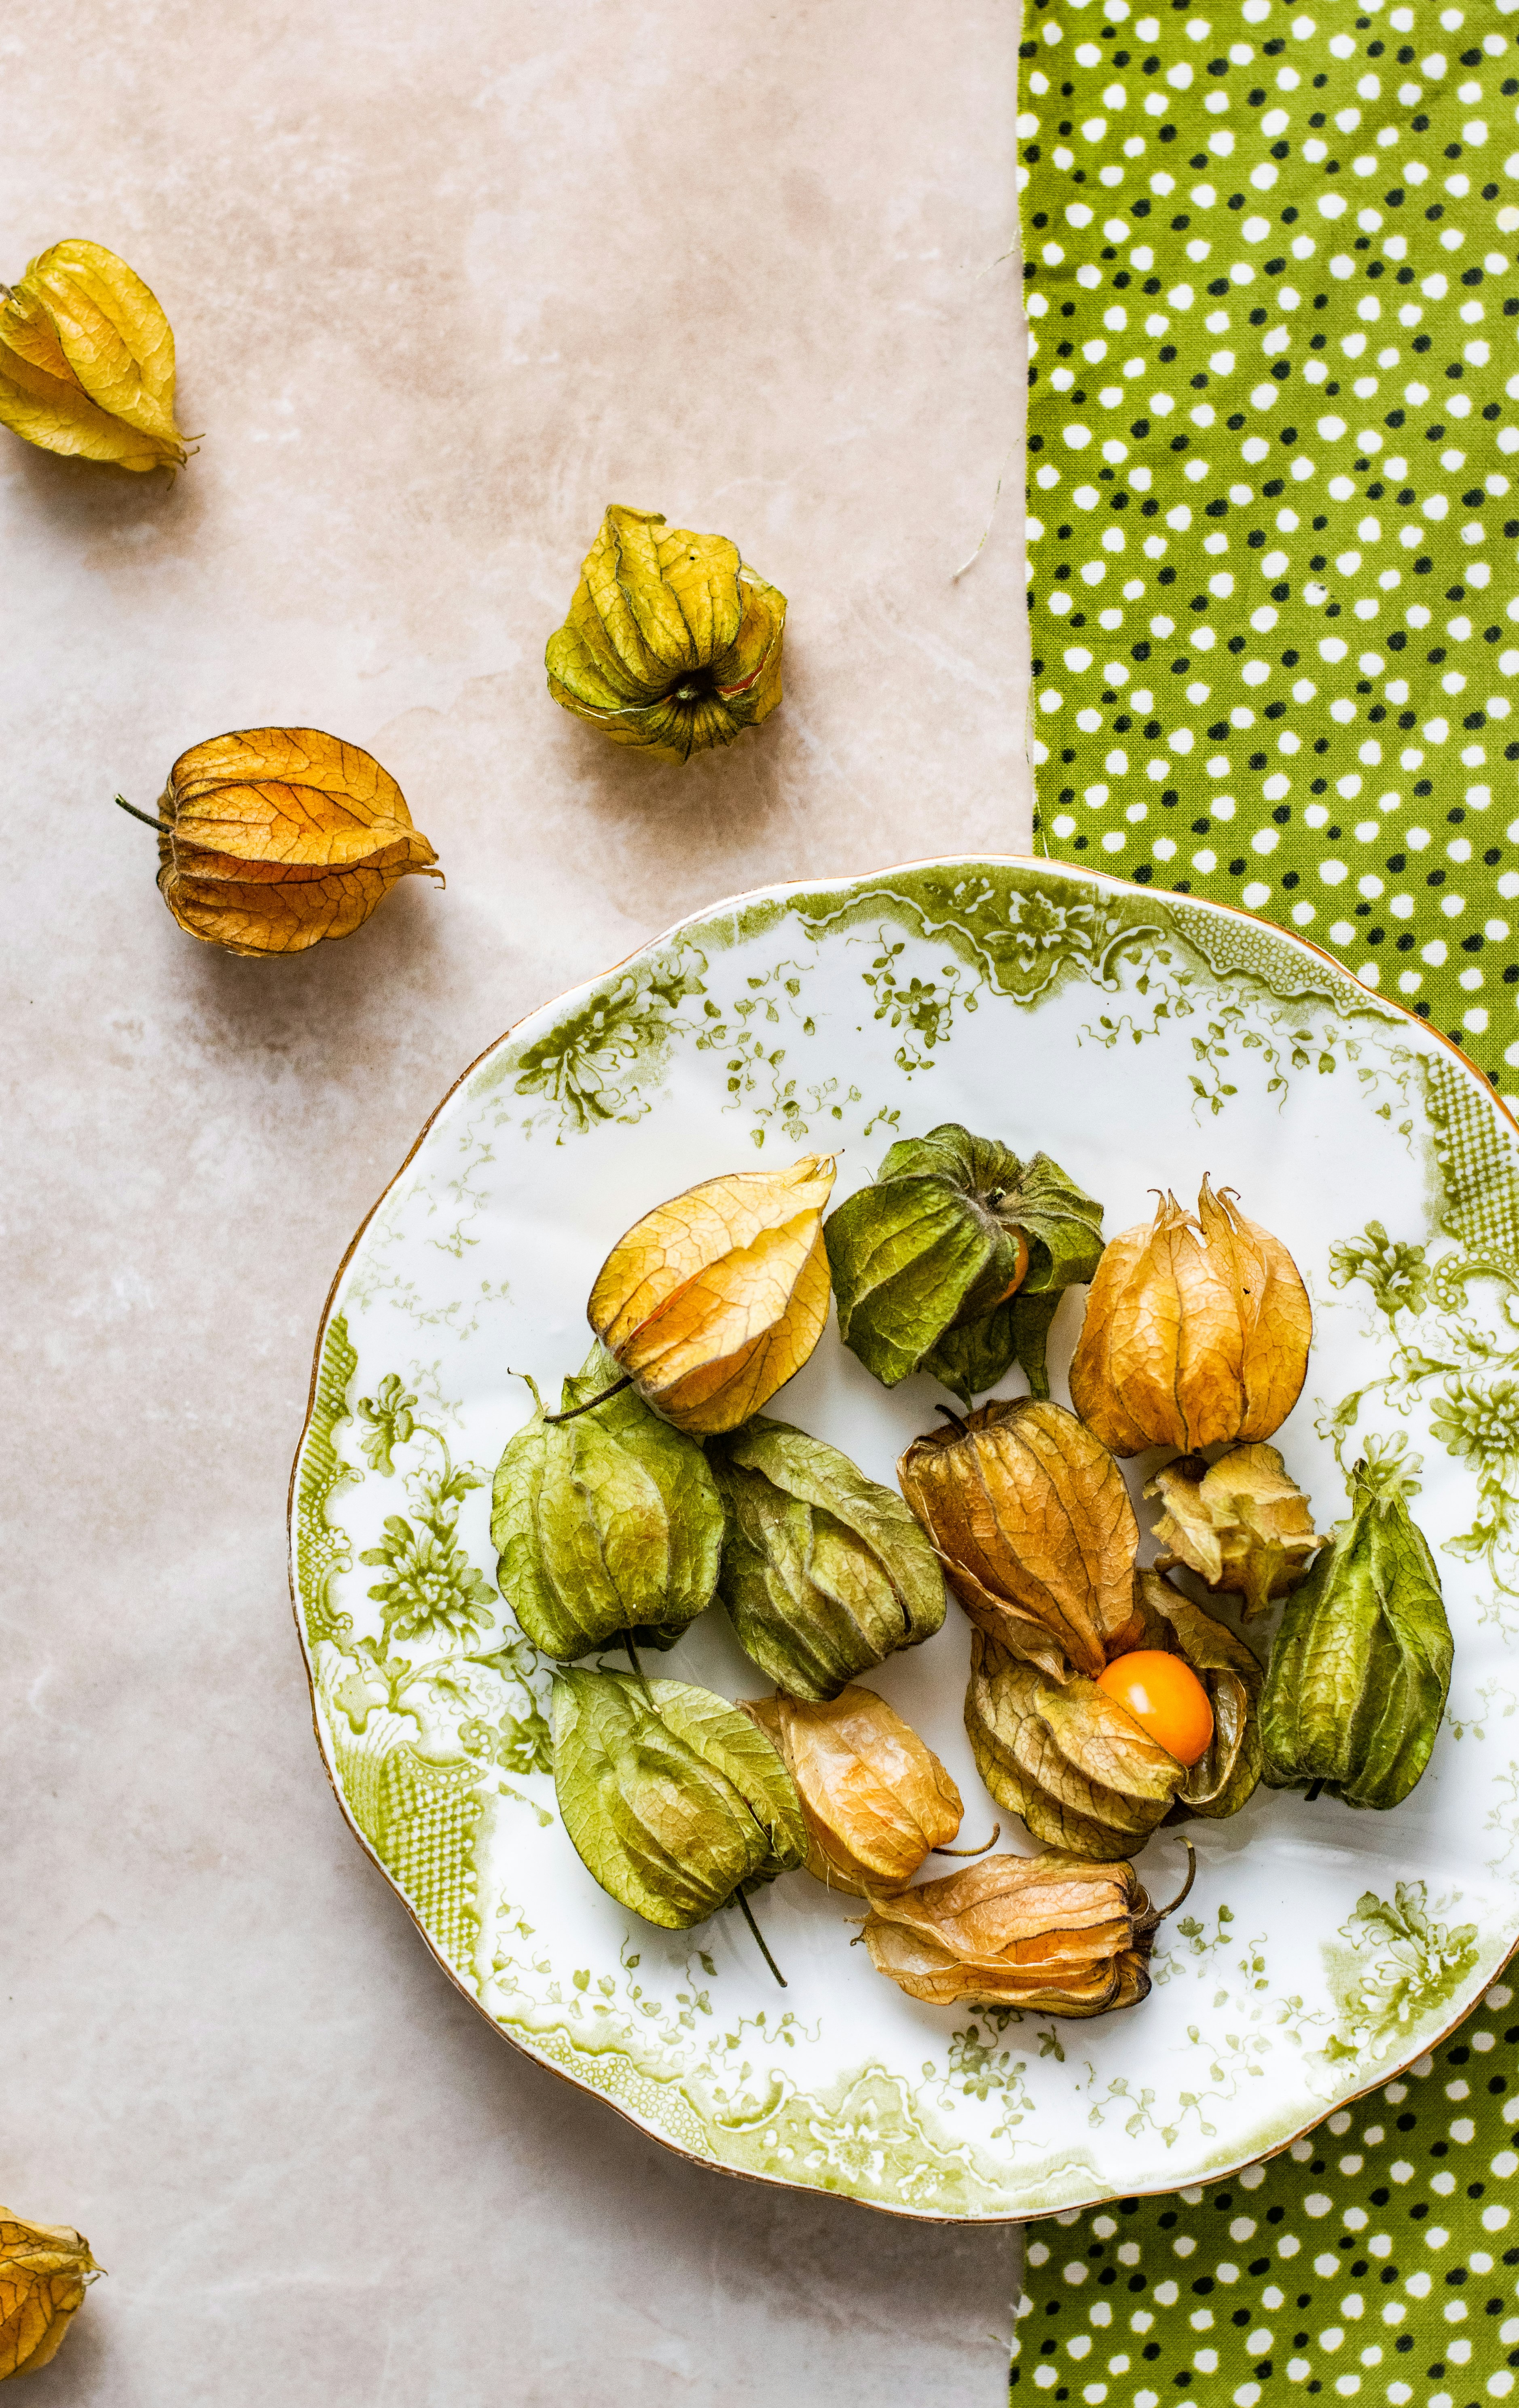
(875, 1796)
(1082, 1771)
(44, 2271)
(87, 360)
(714, 1299)
(1054, 1933)
(1196, 1332)
(272, 839)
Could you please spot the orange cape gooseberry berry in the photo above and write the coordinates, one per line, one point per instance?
(1166, 1696)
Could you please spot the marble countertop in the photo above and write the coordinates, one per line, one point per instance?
(444, 282)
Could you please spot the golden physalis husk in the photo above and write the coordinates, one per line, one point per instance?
(1243, 1525)
(671, 643)
(876, 1799)
(1050, 1932)
(711, 1302)
(1196, 1332)
(1031, 1520)
(87, 360)
(44, 2271)
(272, 839)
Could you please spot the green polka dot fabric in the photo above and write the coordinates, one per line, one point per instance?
(1271, 262)
(1379, 2259)
(1271, 278)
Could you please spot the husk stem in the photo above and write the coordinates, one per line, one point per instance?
(592, 1403)
(165, 827)
(1181, 1898)
(638, 1670)
(996, 1834)
(759, 1938)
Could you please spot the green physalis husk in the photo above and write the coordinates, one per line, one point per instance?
(825, 1572)
(955, 1261)
(607, 1524)
(673, 1799)
(1361, 1665)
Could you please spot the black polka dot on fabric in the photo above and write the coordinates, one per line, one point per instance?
(1290, 366)
(1356, 2264)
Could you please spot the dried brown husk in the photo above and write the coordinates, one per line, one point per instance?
(876, 1797)
(1074, 1762)
(1052, 1932)
(44, 2272)
(1244, 1526)
(1196, 1332)
(87, 360)
(1032, 1522)
(274, 838)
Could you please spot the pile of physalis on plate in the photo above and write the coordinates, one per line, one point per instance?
(1103, 1699)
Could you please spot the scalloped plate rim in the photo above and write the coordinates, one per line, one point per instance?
(779, 891)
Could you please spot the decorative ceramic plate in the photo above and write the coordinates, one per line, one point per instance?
(1142, 1039)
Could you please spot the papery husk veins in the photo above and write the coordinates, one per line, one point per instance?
(671, 1798)
(1029, 1516)
(45, 2270)
(607, 1523)
(275, 839)
(87, 360)
(672, 644)
(1242, 1526)
(1075, 1763)
(1196, 1332)
(716, 1298)
(1052, 1932)
(876, 1797)
(1361, 1667)
(825, 1572)
(954, 1260)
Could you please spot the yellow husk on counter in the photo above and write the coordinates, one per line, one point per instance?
(44, 2272)
(87, 360)
(672, 644)
(274, 838)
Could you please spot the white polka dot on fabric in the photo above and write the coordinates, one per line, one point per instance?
(1302, 440)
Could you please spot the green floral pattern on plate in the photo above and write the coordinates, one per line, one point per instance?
(1139, 1038)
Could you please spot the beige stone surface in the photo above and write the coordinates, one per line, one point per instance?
(445, 281)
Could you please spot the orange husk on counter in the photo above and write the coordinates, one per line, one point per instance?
(273, 839)
(45, 2270)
